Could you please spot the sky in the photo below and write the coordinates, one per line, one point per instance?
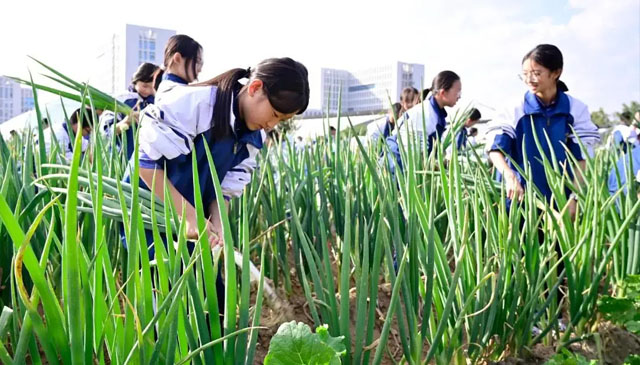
(482, 41)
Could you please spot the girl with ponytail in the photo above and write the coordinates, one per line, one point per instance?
(426, 121)
(229, 114)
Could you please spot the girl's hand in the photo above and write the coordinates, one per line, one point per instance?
(216, 238)
(515, 191)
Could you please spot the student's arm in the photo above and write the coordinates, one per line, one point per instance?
(147, 175)
(514, 188)
(215, 219)
(125, 124)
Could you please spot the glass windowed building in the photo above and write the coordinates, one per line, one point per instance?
(121, 55)
(368, 90)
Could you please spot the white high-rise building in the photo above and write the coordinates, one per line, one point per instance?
(368, 90)
(14, 99)
(121, 55)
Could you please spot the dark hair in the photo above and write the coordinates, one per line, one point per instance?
(285, 83)
(87, 117)
(188, 49)
(626, 117)
(395, 110)
(409, 92)
(549, 57)
(475, 114)
(45, 121)
(443, 81)
(146, 72)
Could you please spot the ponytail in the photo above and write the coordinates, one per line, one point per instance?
(425, 93)
(561, 86)
(228, 85)
(157, 78)
(285, 83)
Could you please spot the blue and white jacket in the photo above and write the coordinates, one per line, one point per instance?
(424, 120)
(623, 134)
(621, 169)
(380, 128)
(60, 132)
(108, 119)
(566, 122)
(179, 124)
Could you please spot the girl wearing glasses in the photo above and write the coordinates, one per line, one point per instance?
(546, 110)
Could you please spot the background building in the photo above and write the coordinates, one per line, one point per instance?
(121, 55)
(14, 99)
(368, 90)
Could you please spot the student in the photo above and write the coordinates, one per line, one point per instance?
(140, 94)
(553, 112)
(473, 137)
(409, 97)
(461, 139)
(182, 63)
(620, 170)
(624, 137)
(381, 128)
(61, 134)
(426, 121)
(229, 118)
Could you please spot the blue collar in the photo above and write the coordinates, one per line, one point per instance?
(442, 114)
(174, 78)
(533, 105)
(148, 100)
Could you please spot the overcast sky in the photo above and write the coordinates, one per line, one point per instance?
(483, 41)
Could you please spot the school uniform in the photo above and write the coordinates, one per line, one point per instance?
(379, 129)
(623, 136)
(462, 138)
(178, 125)
(60, 131)
(620, 169)
(424, 121)
(108, 119)
(566, 122)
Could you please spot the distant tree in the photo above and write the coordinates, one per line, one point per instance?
(600, 118)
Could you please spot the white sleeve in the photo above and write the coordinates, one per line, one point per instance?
(157, 139)
(503, 125)
(239, 176)
(585, 130)
(188, 109)
(107, 122)
(375, 129)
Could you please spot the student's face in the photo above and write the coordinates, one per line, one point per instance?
(257, 111)
(145, 89)
(538, 78)
(450, 97)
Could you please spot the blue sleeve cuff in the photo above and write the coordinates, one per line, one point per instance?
(503, 143)
(147, 163)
